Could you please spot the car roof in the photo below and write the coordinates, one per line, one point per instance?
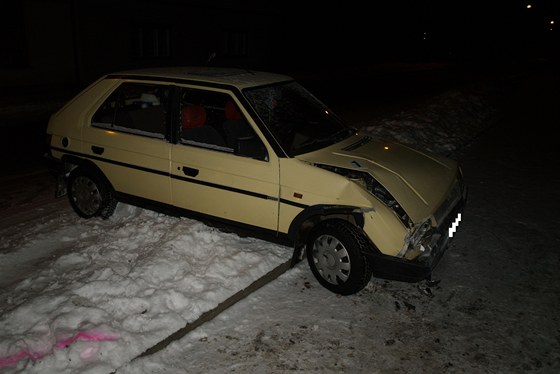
(240, 78)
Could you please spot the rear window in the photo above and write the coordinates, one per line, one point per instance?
(135, 108)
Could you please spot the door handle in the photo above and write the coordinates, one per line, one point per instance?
(97, 150)
(190, 171)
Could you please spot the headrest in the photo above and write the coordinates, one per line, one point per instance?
(231, 111)
(193, 116)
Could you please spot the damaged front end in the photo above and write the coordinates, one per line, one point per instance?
(425, 242)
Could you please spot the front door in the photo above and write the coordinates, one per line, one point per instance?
(219, 172)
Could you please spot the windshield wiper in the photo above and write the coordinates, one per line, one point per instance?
(342, 134)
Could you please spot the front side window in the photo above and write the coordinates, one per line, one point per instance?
(135, 108)
(213, 120)
(298, 120)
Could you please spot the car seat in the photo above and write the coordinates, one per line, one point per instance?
(232, 112)
(235, 126)
(193, 116)
(195, 129)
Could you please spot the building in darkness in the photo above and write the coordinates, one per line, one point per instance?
(73, 42)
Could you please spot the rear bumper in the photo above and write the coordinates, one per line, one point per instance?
(56, 169)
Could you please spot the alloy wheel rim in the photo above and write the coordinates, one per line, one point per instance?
(331, 259)
(86, 195)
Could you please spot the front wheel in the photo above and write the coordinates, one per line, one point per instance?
(335, 256)
(89, 194)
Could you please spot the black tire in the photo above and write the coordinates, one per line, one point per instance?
(90, 195)
(335, 256)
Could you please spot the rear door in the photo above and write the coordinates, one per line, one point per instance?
(128, 140)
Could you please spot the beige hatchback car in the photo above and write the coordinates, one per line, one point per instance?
(256, 151)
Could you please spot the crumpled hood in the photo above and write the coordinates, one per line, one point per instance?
(420, 181)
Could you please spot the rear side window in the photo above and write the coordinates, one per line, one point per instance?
(135, 108)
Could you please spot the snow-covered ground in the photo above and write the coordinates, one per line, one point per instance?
(89, 296)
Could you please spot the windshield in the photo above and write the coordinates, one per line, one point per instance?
(296, 118)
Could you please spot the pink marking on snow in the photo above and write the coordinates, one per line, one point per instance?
(11, 360)
(88, 353)
(87, 336)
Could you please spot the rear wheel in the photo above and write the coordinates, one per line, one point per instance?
(90, 195)
(335, 256)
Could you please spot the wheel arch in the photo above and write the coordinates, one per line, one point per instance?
(308, 218)
(71, 162)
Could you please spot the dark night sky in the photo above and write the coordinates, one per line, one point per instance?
(426, 29)
(334, 32)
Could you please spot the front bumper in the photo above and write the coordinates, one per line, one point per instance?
(401, 269)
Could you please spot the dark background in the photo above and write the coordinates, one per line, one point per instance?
(72, 42)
